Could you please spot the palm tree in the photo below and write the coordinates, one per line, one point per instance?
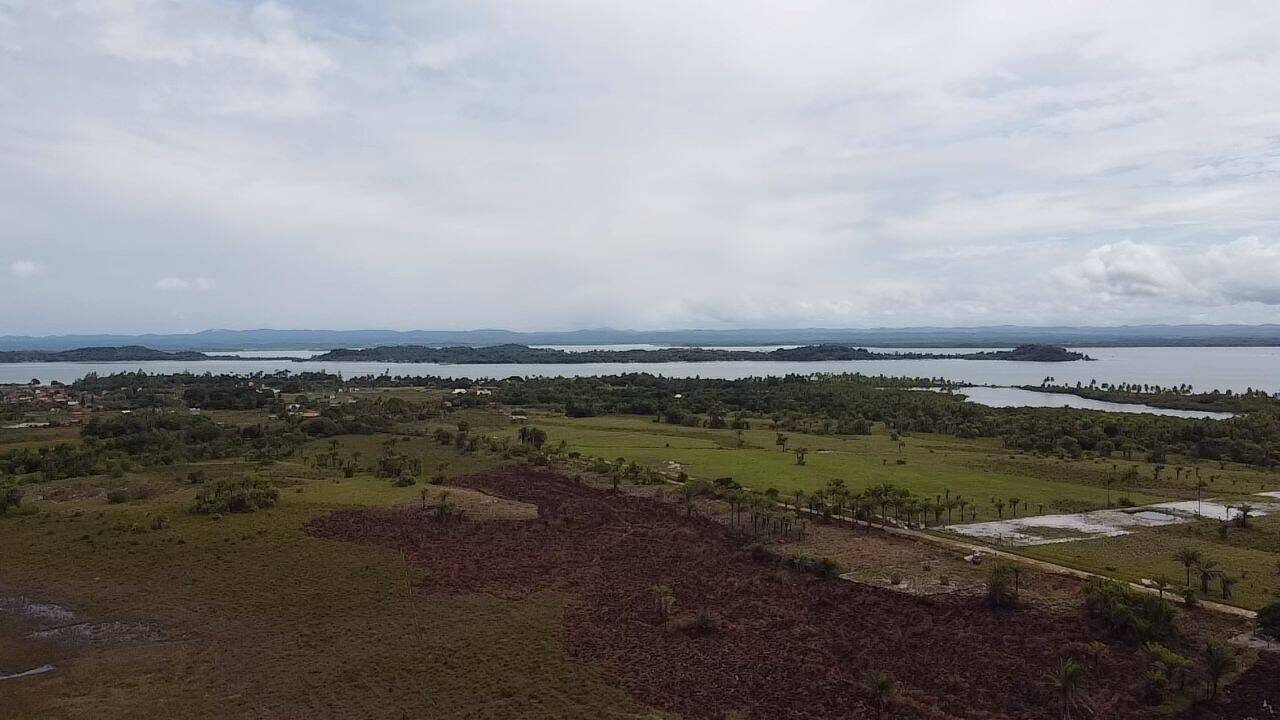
(1227, 582)
(1066, 680)
(1218, 661)
(881, 687)
(1188, 558)
(1243, 511)
(1162, 585)
(1208, 569)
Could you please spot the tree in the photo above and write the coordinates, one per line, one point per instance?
(880, 687)
(1269, 620)
(1218, 661)
(1207, 568)
(1162, 585)
(1226, 582)
(1243, 511)
(1066, 681)
(1188, 558)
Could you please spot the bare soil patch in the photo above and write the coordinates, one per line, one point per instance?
(784, 645)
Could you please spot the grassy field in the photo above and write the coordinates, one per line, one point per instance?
(980, 470)
(1252, 555)
(931, 464)
(260, 619)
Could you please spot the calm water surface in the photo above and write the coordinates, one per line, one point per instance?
(1204, 368)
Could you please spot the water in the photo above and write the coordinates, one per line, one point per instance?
(1205, 368)
(1017, 397)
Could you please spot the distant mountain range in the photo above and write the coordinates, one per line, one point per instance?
(922, 337)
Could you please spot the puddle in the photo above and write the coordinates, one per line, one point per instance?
(1271, 494)
(30, 673)
(1210, 509)
(1053, 529)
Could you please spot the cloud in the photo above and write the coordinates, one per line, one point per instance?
(548, 164)
(177, 284)
(1246, 270)
(25, 268)
(1126, 268)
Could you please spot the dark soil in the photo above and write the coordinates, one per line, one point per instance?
(784, 645)
(1255, 695)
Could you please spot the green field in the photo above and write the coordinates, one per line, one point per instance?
(931, 464)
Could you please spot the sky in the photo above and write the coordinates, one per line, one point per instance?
(170, 166)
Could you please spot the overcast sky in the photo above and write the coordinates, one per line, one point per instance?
(181, 165)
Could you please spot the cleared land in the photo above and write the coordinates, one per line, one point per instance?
(981, 471)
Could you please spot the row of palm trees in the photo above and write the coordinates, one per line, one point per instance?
(1206, 569)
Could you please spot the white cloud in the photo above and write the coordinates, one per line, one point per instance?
(1245, 270)
(25, 268)
(550, 164)
(172, 284)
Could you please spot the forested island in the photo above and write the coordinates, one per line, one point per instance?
(519, 354)
(512, 354)
(99, 354)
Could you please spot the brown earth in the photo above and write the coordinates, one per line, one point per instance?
(787, 645)
(1255, 695)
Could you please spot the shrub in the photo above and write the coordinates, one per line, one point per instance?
(246, 494)
(404, 481)
(159, 522)
(821, 566)
(1129, 615)
(1000, 586)
(10, 497)
(1269, 620)
(704, 622)
(115, 496)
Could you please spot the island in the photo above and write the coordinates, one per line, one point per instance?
(512, 353)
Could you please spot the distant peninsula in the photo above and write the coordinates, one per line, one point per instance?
(99, 354)
(511, 354)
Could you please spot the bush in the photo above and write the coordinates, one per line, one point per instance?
(404, 481)
(10, 497)
(1000, 586)
(115, 496)
(246, 494)
(1129, 615)
(821, 566)
(1269, 620)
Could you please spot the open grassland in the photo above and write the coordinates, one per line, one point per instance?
(931, 465)
(1251, 555)
(259, 619)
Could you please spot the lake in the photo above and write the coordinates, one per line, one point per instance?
(1205, 368)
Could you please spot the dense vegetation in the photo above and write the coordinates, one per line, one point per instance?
(1179, 397)
(845, 404)
(118, 443)
(97, 354)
